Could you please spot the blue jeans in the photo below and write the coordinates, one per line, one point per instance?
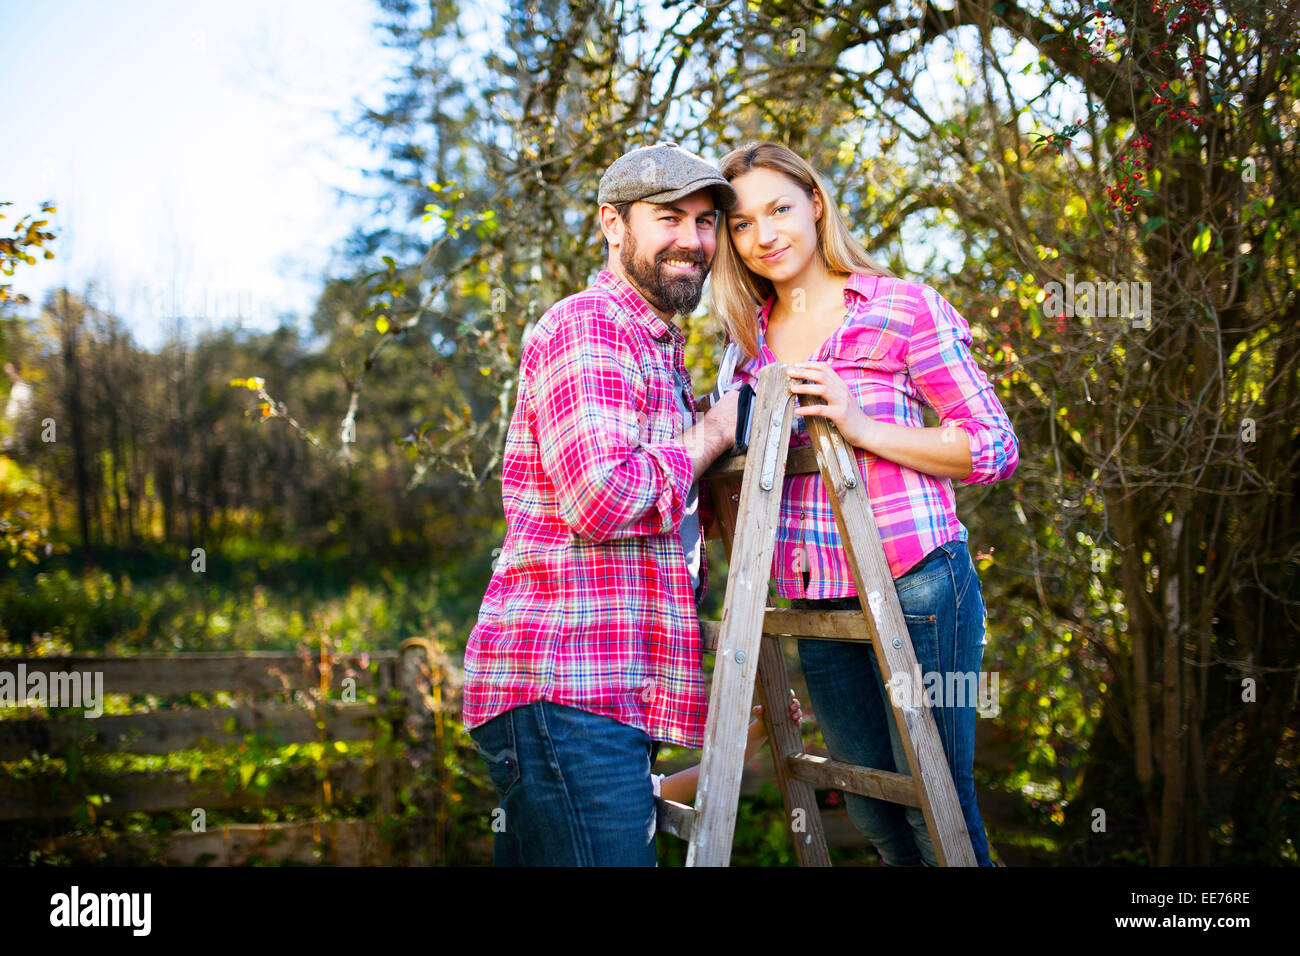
(574, 787)
(944, 609)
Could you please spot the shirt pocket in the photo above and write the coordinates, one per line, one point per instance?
(663, 415)
(874, 365)
(657, 418)
(878, 349)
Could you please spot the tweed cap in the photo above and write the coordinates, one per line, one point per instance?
(661, 173)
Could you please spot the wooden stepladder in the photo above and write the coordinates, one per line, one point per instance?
(745, 646)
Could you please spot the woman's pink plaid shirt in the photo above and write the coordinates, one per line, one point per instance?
(590, 604)
(902, 345)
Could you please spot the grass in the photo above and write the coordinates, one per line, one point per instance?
(246, 598)
(257, 595)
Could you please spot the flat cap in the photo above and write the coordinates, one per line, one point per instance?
(661, 173)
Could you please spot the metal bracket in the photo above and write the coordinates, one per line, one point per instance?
(774, 435)
(847, 470)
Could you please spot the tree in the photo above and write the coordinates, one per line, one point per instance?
(23, 520)
(28, 235)
(1149, 149)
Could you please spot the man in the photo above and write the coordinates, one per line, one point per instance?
(586, 653)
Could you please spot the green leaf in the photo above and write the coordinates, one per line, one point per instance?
(1152, 224)
(1201, 244)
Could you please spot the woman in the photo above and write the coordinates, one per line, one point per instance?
(791, 284)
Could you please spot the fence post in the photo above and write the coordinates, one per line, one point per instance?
(420, 685)
(386, 804)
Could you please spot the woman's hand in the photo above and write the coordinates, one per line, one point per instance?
(758, 733)
(681, 785)
(796, 711)
(841, 407)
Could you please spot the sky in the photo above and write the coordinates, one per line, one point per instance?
(193, 150)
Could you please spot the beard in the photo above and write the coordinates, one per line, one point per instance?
(679, 294)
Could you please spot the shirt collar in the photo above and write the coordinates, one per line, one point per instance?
(635, 305)
(859, 284)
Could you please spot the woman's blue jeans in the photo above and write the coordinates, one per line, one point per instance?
(574, 787)
(944, 609)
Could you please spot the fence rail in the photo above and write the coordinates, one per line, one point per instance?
(284, 699)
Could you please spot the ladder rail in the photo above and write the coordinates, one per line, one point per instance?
(735, 661)
(874, 581)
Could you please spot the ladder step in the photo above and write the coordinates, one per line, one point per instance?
(782, 622)
(675, 818)
(678, 819)
(800, 461)
(832, 774)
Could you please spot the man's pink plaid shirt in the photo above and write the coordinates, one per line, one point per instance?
(590, 604)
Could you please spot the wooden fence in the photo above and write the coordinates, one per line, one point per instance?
(422, 716)
(394, 700)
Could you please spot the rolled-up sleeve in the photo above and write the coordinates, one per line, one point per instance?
(608, 484)
(944, 371)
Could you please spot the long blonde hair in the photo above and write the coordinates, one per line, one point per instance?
(736, 292)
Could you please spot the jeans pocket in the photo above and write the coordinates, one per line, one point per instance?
(495, 743)
(964, 576)
(932, 568)
(923, 629)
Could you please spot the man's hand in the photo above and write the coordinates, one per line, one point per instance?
(714, 434)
